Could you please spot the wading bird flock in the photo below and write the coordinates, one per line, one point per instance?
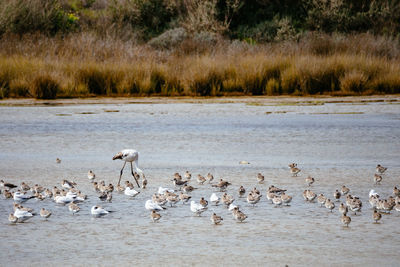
(68, 195)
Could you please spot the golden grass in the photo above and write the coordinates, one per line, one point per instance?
(89, 67)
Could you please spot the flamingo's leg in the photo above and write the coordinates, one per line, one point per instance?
(134, 176)
(120, 175)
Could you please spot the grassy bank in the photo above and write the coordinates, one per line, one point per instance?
(83, 65)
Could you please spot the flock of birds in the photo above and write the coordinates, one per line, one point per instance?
(70, 196)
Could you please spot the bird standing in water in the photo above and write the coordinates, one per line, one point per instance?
(129, 155)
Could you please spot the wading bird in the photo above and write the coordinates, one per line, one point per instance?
(129, 155)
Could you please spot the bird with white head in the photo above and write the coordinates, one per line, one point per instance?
(129, 155)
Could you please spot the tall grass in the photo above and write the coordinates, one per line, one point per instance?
(83, 66)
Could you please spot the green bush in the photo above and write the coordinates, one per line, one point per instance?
(28, 16)
(45, 87)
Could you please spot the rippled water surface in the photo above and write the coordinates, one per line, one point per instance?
(337, 143)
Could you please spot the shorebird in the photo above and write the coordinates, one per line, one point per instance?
(179, 183)
(25, 187)
(216, 219)
(277, 200)
(12, 218)
(187, 175)
(345, 190)
(37, 188)
(329, 204)
(376, 216)
(129, 184)
(253, 198)
(22, 215)
(343, 208)
(270, 196)
(150, 205)
(162, 190)
(98, 211)
(292, 165)
(197, 208)
(48, 193)
(159, 199)
(144, 182)
(109, 197)
(380, 169)
(310, 195)
(155, 217)
(227, 199)
(103, 196)
(238, 215)
(294, 171)
(260, 178)
(274, 189)
(172, 199)
(8, 185)
(241, 191)
(373, 193)
(74, 208)
(310, 180)
(184, 197)
(373, 201)
(203, 202)
(91, 175)
(177, 176)
(200, 179)
(131, 192)
(68, 184)
(20, 207)
(214, 199)
(45, 213)
(346, 220)
(21, 197)
(337, 195)
(7, 194)
(129, 155)
(210, 177)
(377, 178)
(58, 160)
(321, 199)
(387, 206)
(355, 205)
(286, 199)
(188, 188)
(222, 185)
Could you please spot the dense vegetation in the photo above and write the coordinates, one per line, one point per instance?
(73, 48)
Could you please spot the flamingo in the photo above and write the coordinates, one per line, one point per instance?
(129, 155)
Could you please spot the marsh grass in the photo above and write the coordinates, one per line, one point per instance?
(86, 66)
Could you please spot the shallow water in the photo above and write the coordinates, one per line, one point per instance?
(337, 143)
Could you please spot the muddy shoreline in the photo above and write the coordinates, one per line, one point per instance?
(254, 100)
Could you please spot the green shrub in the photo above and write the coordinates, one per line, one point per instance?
(45, 87)
(28, 16)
